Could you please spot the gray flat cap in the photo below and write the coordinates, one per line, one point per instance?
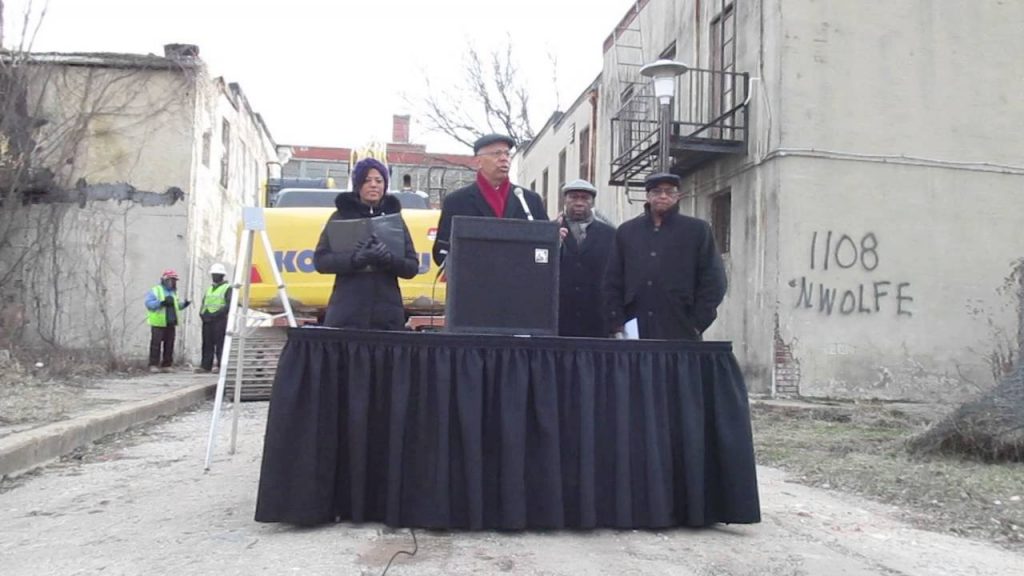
(660, 178)
(488, 139)
(580, 186)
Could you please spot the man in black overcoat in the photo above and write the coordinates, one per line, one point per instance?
(492, 195)
(584, 258)
(665, 269)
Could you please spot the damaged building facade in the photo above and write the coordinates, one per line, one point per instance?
(119, 166)
(862, 173)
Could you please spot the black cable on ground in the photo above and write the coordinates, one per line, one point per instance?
(433, 292)
(415, 549)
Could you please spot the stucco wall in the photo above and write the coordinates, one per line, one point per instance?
(906, 132)
(747, 315)
(95, 252)
(99, 248)
(909, 298)
(215, 210)
(908, 77)
(895, 128)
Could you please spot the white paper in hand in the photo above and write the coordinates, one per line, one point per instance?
(632, 330)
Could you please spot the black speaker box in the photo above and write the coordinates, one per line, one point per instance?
(503, 276)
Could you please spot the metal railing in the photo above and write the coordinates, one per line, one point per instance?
(709, 107)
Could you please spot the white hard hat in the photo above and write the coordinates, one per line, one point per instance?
(218, 268)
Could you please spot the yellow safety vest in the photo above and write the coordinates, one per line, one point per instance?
(158, 317)
(214, 300)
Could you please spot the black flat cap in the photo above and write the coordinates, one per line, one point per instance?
(488, 139)
(660, 178)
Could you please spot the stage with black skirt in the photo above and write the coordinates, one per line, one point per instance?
(496, 432)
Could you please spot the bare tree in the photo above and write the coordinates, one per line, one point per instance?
(492, 97)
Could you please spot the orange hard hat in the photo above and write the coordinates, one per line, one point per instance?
(169, 273)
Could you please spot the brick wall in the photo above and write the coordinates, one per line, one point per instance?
(786, 372)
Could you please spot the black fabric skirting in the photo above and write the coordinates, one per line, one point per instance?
(501, 432)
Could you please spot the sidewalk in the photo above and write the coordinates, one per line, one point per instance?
(105, 406)
(111, 405)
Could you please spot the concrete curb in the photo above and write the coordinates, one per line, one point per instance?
(26, 450)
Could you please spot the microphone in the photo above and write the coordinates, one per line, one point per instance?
(443, 253)
(522, 200)
(442, 250)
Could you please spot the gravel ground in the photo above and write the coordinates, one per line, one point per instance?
(139, 503)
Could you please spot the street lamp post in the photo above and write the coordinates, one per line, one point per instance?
(664, 73)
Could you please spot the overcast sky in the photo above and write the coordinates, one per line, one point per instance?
(332, 72)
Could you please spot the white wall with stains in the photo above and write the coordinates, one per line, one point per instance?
(132, 197)
(885, 142)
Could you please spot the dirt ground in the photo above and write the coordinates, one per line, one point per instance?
(32, 401)
(140, 503)
(847, 447)
(859, 449)
(37, 391)
(31, 396)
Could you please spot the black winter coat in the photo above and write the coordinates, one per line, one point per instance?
(469, 201)
(369, 297)
(580, 291)
(671, 279)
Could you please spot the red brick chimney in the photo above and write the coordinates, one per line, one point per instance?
(400, 128)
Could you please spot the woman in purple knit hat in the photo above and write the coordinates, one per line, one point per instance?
(366, 293)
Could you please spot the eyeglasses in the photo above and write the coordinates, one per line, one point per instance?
(497, 154)
(671, 192)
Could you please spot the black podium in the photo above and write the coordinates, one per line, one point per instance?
(503, 277)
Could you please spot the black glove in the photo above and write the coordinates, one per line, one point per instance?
(363, 255)
(168, 301)
(382, 256)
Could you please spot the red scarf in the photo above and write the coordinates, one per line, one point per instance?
(496, 197)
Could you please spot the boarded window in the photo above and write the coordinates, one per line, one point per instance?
(561, 179)
(246, 184)
(544, 186)
(256, 179)
(585, 154)
(721, 219)
(723, 59)
(225, 159)
(206, 148)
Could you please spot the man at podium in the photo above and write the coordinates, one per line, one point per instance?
(491, 196)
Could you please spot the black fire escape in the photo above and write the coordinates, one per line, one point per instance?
(709, 116)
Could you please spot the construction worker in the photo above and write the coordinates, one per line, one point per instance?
(164, 310)
(215, 317)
